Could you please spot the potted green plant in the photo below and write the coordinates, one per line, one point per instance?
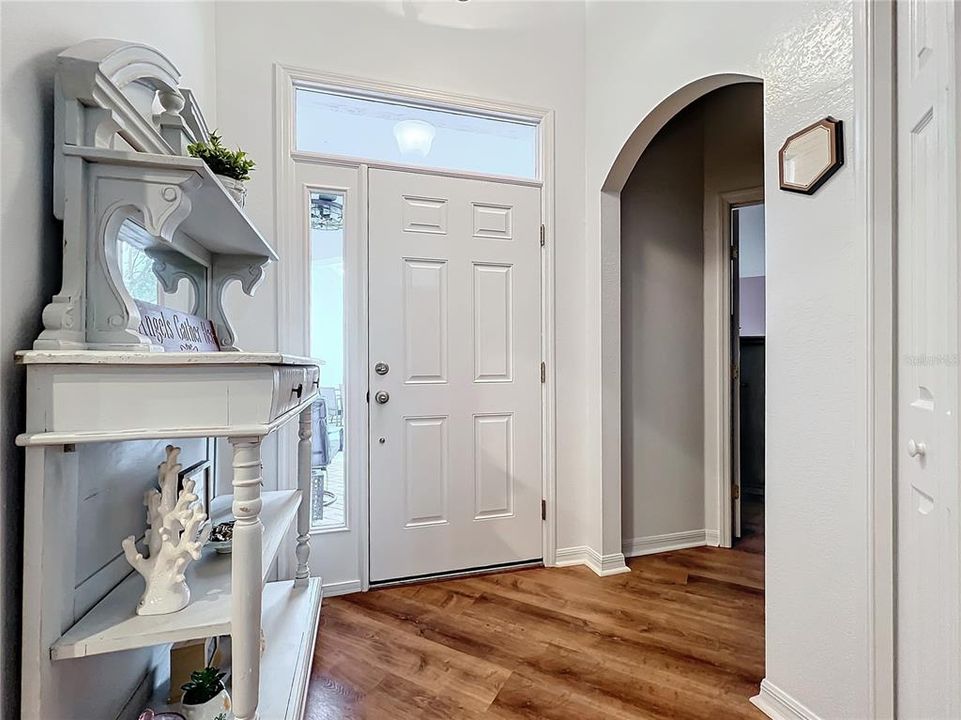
(205, 697)
(232, 167)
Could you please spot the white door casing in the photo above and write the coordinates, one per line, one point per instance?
(454, 308)
(928, 595)
(734, 330)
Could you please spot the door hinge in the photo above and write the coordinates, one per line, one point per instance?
(543, 509)
(543, 372)
(543, 235)
(736, 492)
(735, 372)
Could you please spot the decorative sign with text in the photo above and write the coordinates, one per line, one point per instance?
(177, 331)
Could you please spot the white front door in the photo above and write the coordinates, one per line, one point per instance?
(455, 387)
(928, 600)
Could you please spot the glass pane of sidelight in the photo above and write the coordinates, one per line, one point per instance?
(328, 501)
(391, 131)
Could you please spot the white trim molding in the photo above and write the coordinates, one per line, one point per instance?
(344, 587)
(875, 127)
(652, 544)
(778, 705)
(718, 475)
(602, 565)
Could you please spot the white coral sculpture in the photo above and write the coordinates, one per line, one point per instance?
(175, 535)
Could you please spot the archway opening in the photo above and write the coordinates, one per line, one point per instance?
(690, 338)
(610, 297)
(692, 308)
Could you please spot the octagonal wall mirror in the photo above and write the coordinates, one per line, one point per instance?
(810, 156)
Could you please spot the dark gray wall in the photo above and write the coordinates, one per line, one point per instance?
(712, 146)
(662, 336)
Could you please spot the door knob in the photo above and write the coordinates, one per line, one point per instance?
(381, 397)
(916, 449)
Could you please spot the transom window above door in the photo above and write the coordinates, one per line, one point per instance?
(395, 132)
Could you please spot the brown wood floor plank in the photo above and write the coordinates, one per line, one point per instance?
(473, 681)
(680, 637)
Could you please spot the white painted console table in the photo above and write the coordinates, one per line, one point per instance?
(85, 396)
(123, 124)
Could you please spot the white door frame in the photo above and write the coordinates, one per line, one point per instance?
(718, 384)
(292, 320)
(874, 63)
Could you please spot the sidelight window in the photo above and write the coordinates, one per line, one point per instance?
(328, 502)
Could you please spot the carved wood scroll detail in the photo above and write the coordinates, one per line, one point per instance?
(114, 163)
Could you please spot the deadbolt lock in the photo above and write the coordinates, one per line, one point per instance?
(381, 368)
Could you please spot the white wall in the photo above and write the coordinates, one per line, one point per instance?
(529, 53)
(817, 460)
(32, 35)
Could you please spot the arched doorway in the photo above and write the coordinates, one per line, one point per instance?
(611, 350)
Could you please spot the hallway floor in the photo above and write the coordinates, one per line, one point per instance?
(681, 636)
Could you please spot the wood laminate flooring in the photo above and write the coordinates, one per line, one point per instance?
(681, 636)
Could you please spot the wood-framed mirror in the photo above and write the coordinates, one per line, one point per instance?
(810, 156)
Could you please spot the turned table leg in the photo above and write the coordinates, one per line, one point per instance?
(304, 453)
(246, 578)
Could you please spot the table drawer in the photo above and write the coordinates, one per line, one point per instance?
(291, 385)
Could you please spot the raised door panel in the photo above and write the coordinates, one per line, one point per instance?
(425, 215)
(425, 321)
(493, 221)
(493, 315)
(425, 470)
(493, 466)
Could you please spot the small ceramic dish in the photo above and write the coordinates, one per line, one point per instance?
(151, 715)
(222, 537)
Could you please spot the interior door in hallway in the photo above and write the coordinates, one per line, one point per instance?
(455, 385)
(928, 598)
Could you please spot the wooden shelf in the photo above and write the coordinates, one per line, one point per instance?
(216, 222)
(290, 620)
(113, 623)
(291, 615)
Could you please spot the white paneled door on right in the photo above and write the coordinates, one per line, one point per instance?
(455, 387)
(928, 640)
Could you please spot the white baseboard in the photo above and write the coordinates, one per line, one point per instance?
(603, 565)
(712, 538)
(663, 543)
(778, 705)
(345, 587)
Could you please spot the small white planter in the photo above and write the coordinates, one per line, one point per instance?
(236, 188)
(210, 710)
